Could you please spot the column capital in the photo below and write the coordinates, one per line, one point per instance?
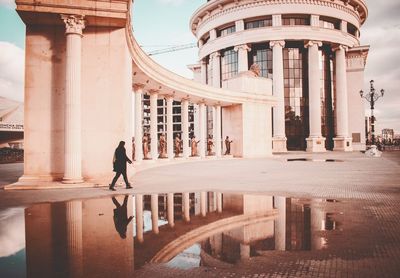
(74, 24)
(340, 47)
(154, 92)
(138, 87)
(169, 97)
(312, 43)
(215, 54)
(280, 43)
(242, 47)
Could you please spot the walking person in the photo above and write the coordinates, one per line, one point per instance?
(119, 164)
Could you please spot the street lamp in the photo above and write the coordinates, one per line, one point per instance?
(372, 97)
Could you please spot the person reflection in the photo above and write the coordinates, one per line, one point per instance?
(121, 219)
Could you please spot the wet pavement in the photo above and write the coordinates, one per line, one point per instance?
(202, 234)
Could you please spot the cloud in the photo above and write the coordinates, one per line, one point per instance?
(12, 67)
(382, 32)
(8, 3)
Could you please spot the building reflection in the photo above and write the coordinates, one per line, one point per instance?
(101, 237)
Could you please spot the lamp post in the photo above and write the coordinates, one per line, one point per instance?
(372, 97)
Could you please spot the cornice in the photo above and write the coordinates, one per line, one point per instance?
(203, 14)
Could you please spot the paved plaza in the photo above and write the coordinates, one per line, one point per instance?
(364, 194)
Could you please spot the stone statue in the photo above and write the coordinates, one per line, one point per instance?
(145, 145)
(163, 147)
(194, 146)
(210, 144)
(254, 71)
(228, 146)
(178, 145)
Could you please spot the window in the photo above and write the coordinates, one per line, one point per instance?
(258, 23)
(329, 23)
(209, 71)
(292, 20)
(261, 55)
(351, 29)
(226, 31)
(229, 63)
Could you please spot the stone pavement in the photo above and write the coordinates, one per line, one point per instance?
(367, 190)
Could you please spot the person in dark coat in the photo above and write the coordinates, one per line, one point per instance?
(121, 219)
(119, 164)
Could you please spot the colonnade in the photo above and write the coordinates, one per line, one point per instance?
(139, 90)
(315, 141)
(139, 208)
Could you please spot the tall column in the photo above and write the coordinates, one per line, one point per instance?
(185, 127)
(216, 69)
(153, 124)
(74, 237)
(170, 208)
(218, 133)
(243, 61)
(279, 139)
(203, 69)
(342, 142)
(203, 202)
(202, 130)
(315, 142)
(219, 202)
(139, 217)
(186, 206)
(170, 133)
(138, 89)
(154, 213)
(74, 24)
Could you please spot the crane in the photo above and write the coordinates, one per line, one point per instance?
(172, 49)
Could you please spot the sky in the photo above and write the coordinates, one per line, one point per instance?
(159, 24)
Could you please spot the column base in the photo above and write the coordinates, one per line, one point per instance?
(279, 145)
(343, 144)
(316, 144)
(72, 180)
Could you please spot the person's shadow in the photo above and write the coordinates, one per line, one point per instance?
(121, 219)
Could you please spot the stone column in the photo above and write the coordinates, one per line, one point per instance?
(203, 65)
(203, 202)
(74, 24)
(315, 142)
(154, 213)
(186, 206)
(218, 133)
(202, 130)
(74, 237)
(342, 142)
(170, 133)
(216, 69)
(170, 208)
(279, 139)
(138, 89)
(139, 217)
(153, 124)
(185, 127)
(219, 202)
(243, 61)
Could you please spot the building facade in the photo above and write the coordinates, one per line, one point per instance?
(310, 49)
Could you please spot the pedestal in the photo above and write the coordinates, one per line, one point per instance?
(279, 145)
(343, 144)
(316, 145)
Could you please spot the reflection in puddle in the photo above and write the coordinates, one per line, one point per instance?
(118, 235)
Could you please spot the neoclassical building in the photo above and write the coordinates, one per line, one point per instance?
(311, 50)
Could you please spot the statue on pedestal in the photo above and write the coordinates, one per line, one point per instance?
(228, 146)
(178, 145)
(163, 147)
(210, 144)
(254, 71)
(145, 146)
(193, 144)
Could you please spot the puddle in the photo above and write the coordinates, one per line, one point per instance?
(119, 235)
(314, 160)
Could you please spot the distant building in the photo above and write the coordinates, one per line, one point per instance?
(11, 123)
(387, 134)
